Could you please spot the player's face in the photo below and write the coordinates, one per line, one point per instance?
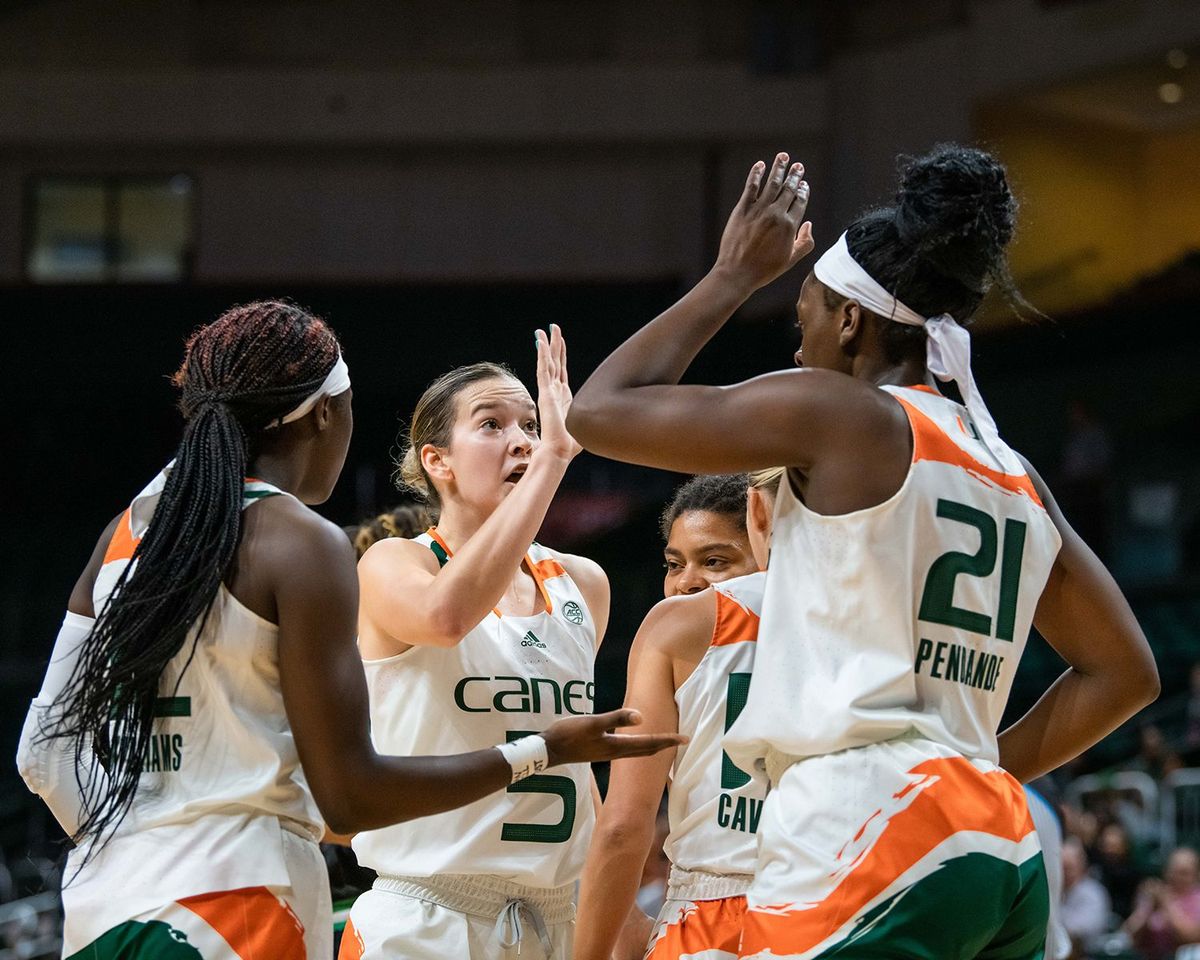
(492, 440)
(705, 548)
(819, 346)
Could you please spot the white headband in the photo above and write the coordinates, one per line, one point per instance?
(947, 350)
(337, 382)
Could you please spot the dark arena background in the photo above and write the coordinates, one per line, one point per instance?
(439, 179)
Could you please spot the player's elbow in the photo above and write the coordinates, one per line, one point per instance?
(447, 625)
(339, 821)
(583, 415)
(619, 831)
(1135, 684)
(343, 788)
(31, 750)
(28, 768)
(1145, 683)
(346, 811)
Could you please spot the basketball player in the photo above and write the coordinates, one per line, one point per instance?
(470, 634)
(704, 529)
(689, 669)
(912, 551)
(204, 709)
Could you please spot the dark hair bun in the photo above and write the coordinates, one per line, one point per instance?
(956, 213)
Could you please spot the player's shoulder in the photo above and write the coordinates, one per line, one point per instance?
(392, 554)
(587, 573)
(746, 590)
(681, 627)
(285, 529)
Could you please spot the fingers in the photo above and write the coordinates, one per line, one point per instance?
(753, 183)
(804, 242)
(558, 347)
(642, 745)
(775, 180)
(543, 359)
(625, 717)
(791, 189)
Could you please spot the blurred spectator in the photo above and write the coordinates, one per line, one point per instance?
(1084, 477)
(1167, 911)
(1193, 710)
(1154, 755)
(1086, 905)
(1082, 824)
(1115, 868)
(1047, 823)
(406, 520)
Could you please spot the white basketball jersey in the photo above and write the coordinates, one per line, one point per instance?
(714, 805)
(509, 676)
(221, 779)
(221, 739)
(908, 617)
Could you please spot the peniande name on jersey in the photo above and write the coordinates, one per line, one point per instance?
(955, 662)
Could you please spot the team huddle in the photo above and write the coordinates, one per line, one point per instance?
(850, 581)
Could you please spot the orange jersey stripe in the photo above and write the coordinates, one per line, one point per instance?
(541, 571)
(546, 569)
(123, 542)
(931, 443)
(954, 797)
(734, 624)
(352, 946)
(253, 921)
(705, 925)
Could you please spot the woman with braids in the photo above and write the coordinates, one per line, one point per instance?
(912, 549)
(471, 634)
(204, 711)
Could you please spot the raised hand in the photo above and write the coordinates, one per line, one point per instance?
(767, 234)
(554, 393)
(591, 738)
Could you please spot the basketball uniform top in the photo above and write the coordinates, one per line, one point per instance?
(221, 776)
(509, 676)
(905, 618)
(713, 805)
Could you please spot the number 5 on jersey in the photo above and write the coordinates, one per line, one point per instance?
(561, 787)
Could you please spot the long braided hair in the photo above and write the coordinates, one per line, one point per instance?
(240, 375)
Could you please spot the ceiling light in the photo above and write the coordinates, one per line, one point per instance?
(1177, 59)
(1170, 93)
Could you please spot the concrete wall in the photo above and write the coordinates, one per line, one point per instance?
(515, 139)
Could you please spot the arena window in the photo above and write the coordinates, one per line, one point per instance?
(109, 229)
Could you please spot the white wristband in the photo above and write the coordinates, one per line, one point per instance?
(526, 756)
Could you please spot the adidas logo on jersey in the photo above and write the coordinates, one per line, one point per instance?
(531, 640)
(573, 612)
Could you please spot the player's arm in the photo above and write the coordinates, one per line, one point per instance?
(625, 829)
(310, 566)
(1111, 676)
(48, 765)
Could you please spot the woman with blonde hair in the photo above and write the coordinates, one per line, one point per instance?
(473, 633)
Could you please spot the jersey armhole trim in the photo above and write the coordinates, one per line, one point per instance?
(734, 623)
